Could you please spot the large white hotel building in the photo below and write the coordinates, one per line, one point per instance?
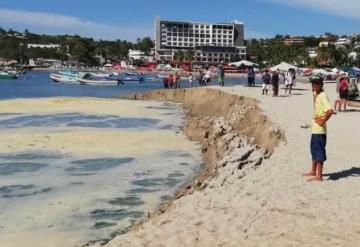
(211, 43)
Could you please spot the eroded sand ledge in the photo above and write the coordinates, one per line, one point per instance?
(211, 114)
(235, 136)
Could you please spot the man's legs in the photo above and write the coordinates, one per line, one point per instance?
(337, 105)
(313, 169)
(343, 103)
(319, 172)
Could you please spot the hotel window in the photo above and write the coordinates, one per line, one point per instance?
(202, 41)
(191, 40)
(196, 40)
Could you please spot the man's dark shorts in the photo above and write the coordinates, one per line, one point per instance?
(317, 147)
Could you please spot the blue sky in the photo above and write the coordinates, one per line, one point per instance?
(129, 19)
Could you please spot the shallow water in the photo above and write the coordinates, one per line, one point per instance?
(67, 178)
(38, 84)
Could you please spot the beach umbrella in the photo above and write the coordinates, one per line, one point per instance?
(323, 72)
(284, 67)
(108, 65)
(243, 63)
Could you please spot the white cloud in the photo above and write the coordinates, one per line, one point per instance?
(343, 8)
(49, 23)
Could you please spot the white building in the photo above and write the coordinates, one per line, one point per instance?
(136, 54)
(48, 46)
(211, 42)
(312, 53)
(342, 42)
(324, 44)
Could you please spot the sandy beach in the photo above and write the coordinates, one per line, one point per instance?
(254, 194)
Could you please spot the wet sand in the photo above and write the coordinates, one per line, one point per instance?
(75, 170)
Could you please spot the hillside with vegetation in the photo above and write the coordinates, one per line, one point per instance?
(87, 51)
(13, 46)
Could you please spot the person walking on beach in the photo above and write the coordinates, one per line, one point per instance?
(275, 83)
(337, 100)
(207, 77)
(176, 80)
(170, 81)
(343, 90)
(201, 78)
(289, 81)
(251, 77)
(166, 82)
(322, 113)
(266, 82)
(221, 75)
(191, 78)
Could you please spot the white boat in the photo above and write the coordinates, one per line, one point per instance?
(63, 78)
(88, 79)
(102, 82)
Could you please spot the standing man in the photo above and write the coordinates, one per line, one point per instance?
(176, 80)
(221, 75)
(207, 77)
(251, 77)
(266, 82)
(322, 113)
(275, 83)
(343, 92)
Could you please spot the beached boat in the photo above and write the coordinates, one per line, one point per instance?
(7, 75)
(63, 78)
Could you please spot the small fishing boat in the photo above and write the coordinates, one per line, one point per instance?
(88, 79)
(63, 78)
(8, 75)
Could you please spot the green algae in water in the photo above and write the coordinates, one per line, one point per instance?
(127, 201)
(10, 168)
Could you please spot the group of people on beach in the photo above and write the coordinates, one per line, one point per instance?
(204, 78)
(172, 81)
(271, 81)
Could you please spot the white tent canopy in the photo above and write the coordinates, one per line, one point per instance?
(323, 72)
(108, 65)
(243, 63)
(284, 67)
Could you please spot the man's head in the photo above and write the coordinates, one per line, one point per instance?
(317, 83)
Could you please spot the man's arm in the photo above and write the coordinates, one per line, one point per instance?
(322, 120)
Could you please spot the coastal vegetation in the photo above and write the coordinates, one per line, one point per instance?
(14, 46)
(88, 51)
(274, 50)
